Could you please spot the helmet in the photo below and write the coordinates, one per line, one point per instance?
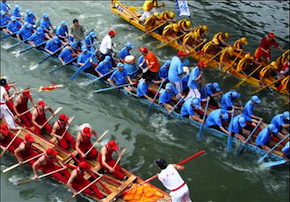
(171, 14)
(155, 14)
(204, 27)
(216, 42)
(248, 56)
(161, 163)
(143, 49)
(45, 15)
(271, 35)
(196, 102)
(274, 64)
(129, 45)
(230, 50)
(188, 24)
(84, 48)
(216, 86)
(56, 39)
(242, 121)
(244, 40)
(39, 30)
(227, 35)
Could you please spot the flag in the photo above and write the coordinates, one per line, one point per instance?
(49, 88)
(182, 8)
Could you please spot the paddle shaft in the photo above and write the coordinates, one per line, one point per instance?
(6, 36)
(56, 111)
(10, 143)
(248, 76)
(20, 42)
(179, 101)
(100, 77)
(162, 45)
(31, 47)
(231, 65)
(26, 111)
(268, 85)
(42, 61)
(67, 126)
(214, 57)
(195, 47)
(229, 140)
(123, 151)
(272, 164)
(63, 65)
(152, 30)
(204, 115)
(111, 88)
(103, 135)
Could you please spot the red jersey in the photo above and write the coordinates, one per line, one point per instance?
(22, 107)
(265, 44)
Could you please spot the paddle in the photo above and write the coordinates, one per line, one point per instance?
(179, 101)
(248, 139)
(121, 155)
(236, 86)
(162, 45)
(103, 135)
(150, 31)
(10, 143)
(18, 164)
(111, 88)
(155, 96)
(213, 57)
(201, 127)
(26, 111)
(255, 92)
(195, 48)
(225, 72)
(266, 155)
(6, 36)
(155, 176)
(230, 138)
(44, 59)
(41, 176)
(69, 122)
(134, 7)
(55, 113)
(20, 42)
(31, 47)
(272, 164)
(92, 81)
(59, 67)
(82, 68)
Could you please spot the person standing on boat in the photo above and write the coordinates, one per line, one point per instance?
(166, 96)
(52, 45)
(147, 7)
(221, 37)
(77, 33)
(106, 160)
(106, 47)
(285, 151)
(16, 12)
(249, 109)
(281, 121)
(4, 19)
(46, 163)
(5, 111)
(125, 51)
(195, 79)
(215, 120)
(228, 99)
(13, 26)
(83, 144)
(237, 128)
(68, 53)
(38, 37)
(190, 106)
(238, 45)
(25, 151)
(25, 32)
(59, 131)
(5, 7)
(142, 88)
(62, 31)
(176, 71)
(45, 24)
(263, 51)
(21, 105)
(77, 181)
(263, 139)
(104, 66)
(152, 63)
(120, 77)
(30, 17)
(39, 119)
(6, 137)
(172, 180)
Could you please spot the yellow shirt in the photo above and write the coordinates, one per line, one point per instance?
(198, 31)
(148, 5)
(188, 37)
(169, 28)
(265, 71)
(242, 65)
(224, 55)
(219, 36)
(238, 44)
(164, 15)
(207, 46)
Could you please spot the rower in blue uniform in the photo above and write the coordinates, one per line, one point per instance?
(237, 128)
(263, 139)
(45, 24)
(285, 151)
(5, 7)
(25, 32)
(125, 51)
(105, 66)
(213, 90)
(249, 108)
(68, 53)
(30, 17)
(89, 40)
(166, 96)
(4, 19)
(37, 38)
(142, 88)
(228, 99)
(16, 12)
(163, 72)
(189, 106)
(83, 62)
(215, 120)
(52, 45)
(13, 26)
(281, 121)
(120, 76)
(62, 31)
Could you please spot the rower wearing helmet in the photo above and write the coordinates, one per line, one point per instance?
(152, 22)
(221, 37)
(38, 37)
(30, 17)
(167, 16)
(269, 70)
(45, 24)
(189, 108)
(244, 63)
(13, 26)
(226, 55)
(16, 12)
(89, 40)
(25, 32)
(211, 47)
(62, 31)
(184, 26)
(170, 32)
(238, 45)
(52, 45)
(68, 53)
(125, 51)
(189, 42)
(200, 33)
(166, 96)
(213, 90)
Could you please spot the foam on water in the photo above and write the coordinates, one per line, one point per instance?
(33, 66)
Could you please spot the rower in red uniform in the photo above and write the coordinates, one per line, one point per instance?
(47, 164)
(107, 162)
(38, 117)
(25, 151)
(58, 129)
(77, 181)
(6, 136)
(83, 144)
(264, 49)
(21, 105)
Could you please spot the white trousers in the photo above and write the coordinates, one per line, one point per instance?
(5, 112)
(193, 93)
(181, 195)
(145, 15)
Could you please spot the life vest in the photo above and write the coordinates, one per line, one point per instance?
(238, 44)
(265, 71)
(219, 36)
(182, 24)
(164, 15)
(187, 37)
(198, 32)
(207, 46)
(242, 65)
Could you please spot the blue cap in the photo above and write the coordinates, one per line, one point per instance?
(196, 102)
(55, 39)
(93, 34)
(2, 12)
(120, 64)
(235, 94)
(63, 23)
(107, 59)
(39, 30)
(168, 86)
(216, 86)
(45, 15)
(28, 12)
(273, 128)
(256, 99)
(167, 63)
(13, 18)
(26, 24)
(242, 121)
(73, 45)
(286, 115)
(129, 45)
(17, 7)
(225, 117)
(84, 48)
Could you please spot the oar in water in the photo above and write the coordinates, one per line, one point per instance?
(245, 79)
(179, 101)
(255, 92)
(162, 45)
(55, 113)
(31, 47)
(6, 148)
(18, 164)
(59, 67)
(20, 42)
(44, 59)
(41, 176)
(118, 160)
(155, 176)
(155, 96)
(266, 155)
(201, 127)
(248, 139)
(98, 140)
(230, 138)
(92, 81)
(150, 31)
(229, 67)
(272, 164)
(82, 68)
(6, 36)
(111, 88)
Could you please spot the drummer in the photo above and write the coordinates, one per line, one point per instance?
(125, 51)
(130, 66)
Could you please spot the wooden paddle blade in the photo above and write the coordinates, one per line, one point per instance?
(10, 168)
(229, 143)
(25, 181)
(58, 110)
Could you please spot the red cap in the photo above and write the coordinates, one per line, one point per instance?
(29, 138)
(112, 32)
(50, 151)
(27, 93)
(83, 165)
(181, 53)
(201, 64)
(143, 49)
(113, 145)
(40, 102)
(271, 35)
(4, 129)
(63, 117)
(87, 131)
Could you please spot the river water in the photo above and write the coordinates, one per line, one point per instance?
(215, 176)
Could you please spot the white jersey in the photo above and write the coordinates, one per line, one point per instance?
(2, 90)
(5, 112)
(106, 44)
(170, 178)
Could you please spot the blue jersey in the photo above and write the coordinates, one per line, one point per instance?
(195, 72)
(14, 26)
(51, 46)
(234, 125)
(44, 24)
(29, 19)
(175, 69)
(4, 20)
(124, 52)
(227, 101)
(16, 13)
(25, 33)
(286, 149)
(89, 40)
(119, 76)
(208, 91)
(163, 72)
(66, 55)
(37, 38)
(165, 96)
(263, 137)
(104, 67)
(278, 121)
(142, 88)
(248, 110)
(83, 58)
(214, 118)
(61, 31)
(187, 108)
(184, 81)
(4, 7)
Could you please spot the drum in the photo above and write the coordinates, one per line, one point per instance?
(130, 65)
(130, 59)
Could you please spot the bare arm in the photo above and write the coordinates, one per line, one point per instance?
(70, 180)
(41, 160)
(16, 152)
